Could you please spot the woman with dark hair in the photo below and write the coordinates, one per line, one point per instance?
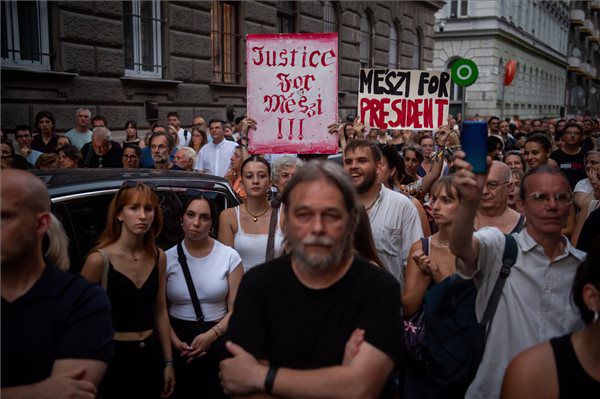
(69, 157)
(132, 269)
(132, 154)
(392, 165)
(428, 145)
(537, 151)
(46, 140)
(215, 271)
(251, 226)
(567, 366)
(62, 141)
(198, 139)
(413, 158)
(131, 133)
(47, 162)
(429, 262)
(363, 238)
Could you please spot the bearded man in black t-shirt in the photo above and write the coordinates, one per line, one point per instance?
(570, 157)
(319, 321)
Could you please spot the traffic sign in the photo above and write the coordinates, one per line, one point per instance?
(464, 72)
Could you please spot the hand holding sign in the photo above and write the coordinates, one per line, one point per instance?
(402, 99)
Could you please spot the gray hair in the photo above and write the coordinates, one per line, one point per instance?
(587, 154)
(84, 109)
(188, 152)
(334, 174)
(282, 163)
(102, 132)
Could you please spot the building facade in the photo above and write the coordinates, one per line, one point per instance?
(141, 59)
(491, 32)
(583, 76)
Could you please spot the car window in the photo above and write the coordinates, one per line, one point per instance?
(84, 219)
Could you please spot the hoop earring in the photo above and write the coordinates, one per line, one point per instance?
(595, 316)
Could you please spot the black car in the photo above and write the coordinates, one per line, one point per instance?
(80, 199)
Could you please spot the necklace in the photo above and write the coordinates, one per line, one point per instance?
(374, 201)
(443, 244)
(255, 217)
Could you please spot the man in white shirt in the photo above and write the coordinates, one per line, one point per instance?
(183, 136)
(81, 134)
(535, 301)
(214, 158)
(394, 219)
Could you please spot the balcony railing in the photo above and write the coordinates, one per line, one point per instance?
(587, 27)
(577, 17)
(574, 64)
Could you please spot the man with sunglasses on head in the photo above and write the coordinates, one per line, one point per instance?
(493, 210)
(534, 303)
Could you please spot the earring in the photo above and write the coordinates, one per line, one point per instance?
(595, 316)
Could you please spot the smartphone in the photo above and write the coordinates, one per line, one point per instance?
(474, 144)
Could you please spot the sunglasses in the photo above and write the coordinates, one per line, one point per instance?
(193, 193)
(134, 184)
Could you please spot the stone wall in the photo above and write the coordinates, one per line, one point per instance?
(88, 69)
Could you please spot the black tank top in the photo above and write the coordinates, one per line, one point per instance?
(573, 381)
(132, 307)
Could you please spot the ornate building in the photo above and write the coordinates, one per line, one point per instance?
(141, 59)
(534, 33)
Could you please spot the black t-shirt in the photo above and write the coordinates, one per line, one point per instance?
(589, 231)
(112, 159)
(278, 318)
(62, 316)
(571, 165)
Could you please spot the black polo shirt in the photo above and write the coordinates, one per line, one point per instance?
(38, 144)
(62, 316)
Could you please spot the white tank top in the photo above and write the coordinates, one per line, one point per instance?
(253, 247)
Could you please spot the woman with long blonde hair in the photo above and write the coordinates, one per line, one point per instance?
(132, 270)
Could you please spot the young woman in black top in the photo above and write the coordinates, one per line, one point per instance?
(131, 268)
(567, 366)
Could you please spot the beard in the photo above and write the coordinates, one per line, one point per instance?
(368, 181)
(321, 261)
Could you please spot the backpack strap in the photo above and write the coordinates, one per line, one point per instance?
(272, 228)
(509, 257)
(105, 260)
(190, 283)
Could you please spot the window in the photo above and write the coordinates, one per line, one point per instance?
(393, 52)
(142, 34)
(224, 42)
(330, 17)
(456, 91)
(366, 37)
(458, 8)
(417, 52)
(25, 34)
(286, 17)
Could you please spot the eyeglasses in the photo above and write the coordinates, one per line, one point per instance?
(492, 185)
(134, 184)
(193, 193)
(130, 157)
(559, 198)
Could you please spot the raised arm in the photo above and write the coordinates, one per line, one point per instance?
(416, 281)
(462, 242)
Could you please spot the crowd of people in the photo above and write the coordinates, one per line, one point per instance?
(365, 273)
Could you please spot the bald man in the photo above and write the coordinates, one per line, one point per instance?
(493, 210)
(56, 326)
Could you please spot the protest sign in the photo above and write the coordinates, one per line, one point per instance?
(292, 83)
(403, 99)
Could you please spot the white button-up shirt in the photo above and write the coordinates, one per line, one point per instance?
(215, 158)
(535, 304)
(396, 226)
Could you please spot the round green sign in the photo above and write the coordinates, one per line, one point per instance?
(464, 72)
